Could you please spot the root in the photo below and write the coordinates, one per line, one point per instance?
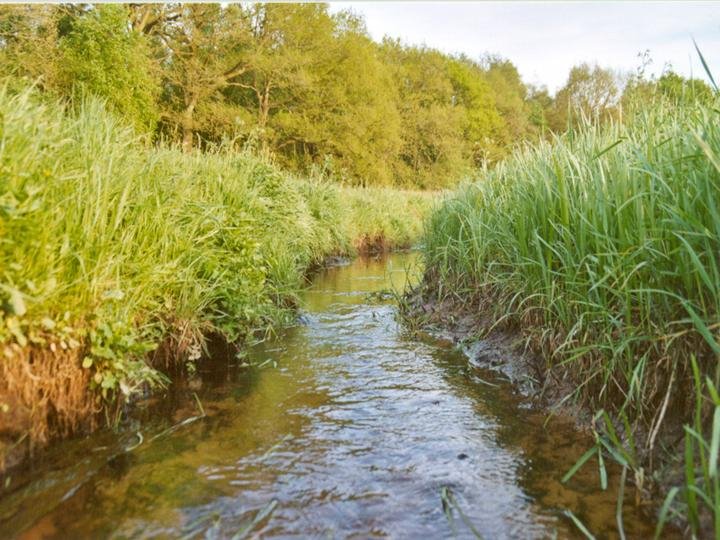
(43, 395)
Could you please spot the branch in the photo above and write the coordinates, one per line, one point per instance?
(235, 71)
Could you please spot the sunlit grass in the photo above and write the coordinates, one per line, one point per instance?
(130, 254)
(602, 247)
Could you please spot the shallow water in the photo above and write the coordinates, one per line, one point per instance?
(350, 429)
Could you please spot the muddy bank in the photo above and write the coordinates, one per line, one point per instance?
(469, 324)
(501, 346)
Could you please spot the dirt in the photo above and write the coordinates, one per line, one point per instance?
(500, 347)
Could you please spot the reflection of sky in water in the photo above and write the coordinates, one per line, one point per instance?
(355, 432)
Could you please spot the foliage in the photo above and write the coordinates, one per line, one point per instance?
(100, 54)
(591, 92)
(307, 87)
(293, 80)
(601, 247)
(133, 254)
(669, 87)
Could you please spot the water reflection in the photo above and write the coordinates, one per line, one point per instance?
(354, 434)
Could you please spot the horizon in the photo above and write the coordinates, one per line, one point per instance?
(619, 33)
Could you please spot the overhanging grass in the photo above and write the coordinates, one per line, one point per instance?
(117, 258)
(602, 247)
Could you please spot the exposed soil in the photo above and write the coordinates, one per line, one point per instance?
(498, 347)
(502, 347)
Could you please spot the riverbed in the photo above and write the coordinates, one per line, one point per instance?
(341, 426)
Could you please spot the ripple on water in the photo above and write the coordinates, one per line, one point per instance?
(354, 435)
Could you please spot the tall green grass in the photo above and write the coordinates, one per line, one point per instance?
(129, 254)
(602, 246)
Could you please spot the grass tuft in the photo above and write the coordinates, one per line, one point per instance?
(601, 247)
(117, 259)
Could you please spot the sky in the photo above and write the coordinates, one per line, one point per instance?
(545, 39)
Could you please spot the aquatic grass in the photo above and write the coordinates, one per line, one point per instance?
(263, 514)
(579, 524)
(118, 258)
(450, 503)
(601, 247)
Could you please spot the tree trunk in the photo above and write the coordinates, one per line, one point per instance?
(187, 140)
(264, 111)
(187, 124)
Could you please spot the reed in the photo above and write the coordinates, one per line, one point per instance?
(601, 247)
(117, 258)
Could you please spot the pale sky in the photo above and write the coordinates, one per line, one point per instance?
(545, 39)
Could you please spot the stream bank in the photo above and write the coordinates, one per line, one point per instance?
(349, 425)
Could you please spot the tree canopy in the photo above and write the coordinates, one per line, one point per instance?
(305, 86)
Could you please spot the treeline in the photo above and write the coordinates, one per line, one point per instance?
(296, 82)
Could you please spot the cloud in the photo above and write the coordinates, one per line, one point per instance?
(545, 39)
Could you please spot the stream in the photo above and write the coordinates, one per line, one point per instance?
(347, 427)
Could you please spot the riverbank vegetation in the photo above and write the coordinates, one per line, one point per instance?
(118, 258)
(601, 248)
(300, 83)
(292, 80)
(172, 171)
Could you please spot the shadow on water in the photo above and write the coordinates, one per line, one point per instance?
(359, 431)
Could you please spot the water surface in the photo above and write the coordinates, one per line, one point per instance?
(351, 429)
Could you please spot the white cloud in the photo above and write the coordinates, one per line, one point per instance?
(545, 39)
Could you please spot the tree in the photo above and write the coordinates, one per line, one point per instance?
(67, 48)
(509, 93)
(28, 42)
(590, 91)
(313, 92)
(309, 87)
(103, 56)
(483, 126)
(205, 50)
(346, 110)
(287, 41)
(433, 151)
(539, 104)
(678, 89)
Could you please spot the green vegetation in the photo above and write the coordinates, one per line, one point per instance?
(124, 244)
(307, 87)
(293, 81)
(117, 258)
(601, 247)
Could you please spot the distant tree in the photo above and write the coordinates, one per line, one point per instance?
(205, 48)
(670, 86)
(28, 42)
(433, 149)
(287, 40)
(510, 94)
(349, 112)
(590, 91)
(681, 90)
(539, 104)
(484, 127)
(305, 86)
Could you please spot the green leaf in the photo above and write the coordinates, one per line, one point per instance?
(579, 524)
(579, 463)
(664, 509)
(87, 362)
(714, 443)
